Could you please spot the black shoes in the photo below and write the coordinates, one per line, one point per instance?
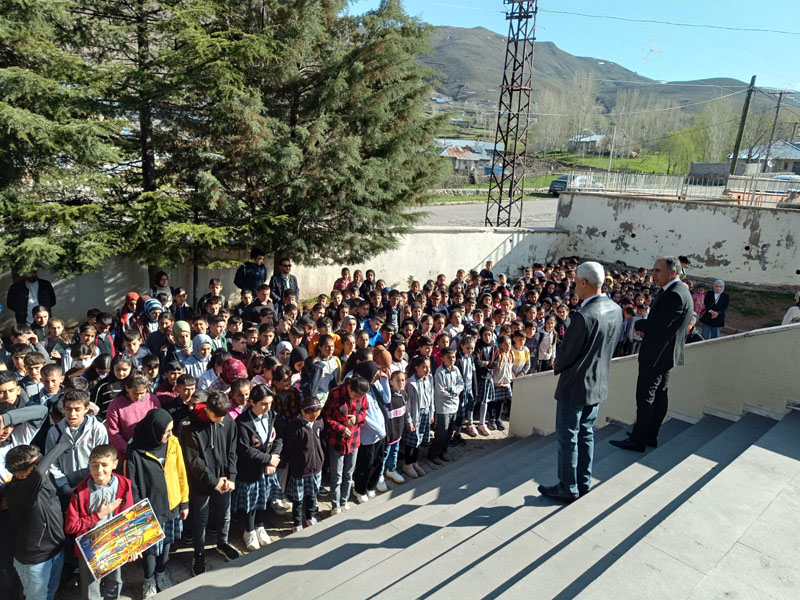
(629, 444)
(228, 551)
(198, 564)
(556, 493)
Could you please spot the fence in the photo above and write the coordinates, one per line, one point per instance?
(732, 189)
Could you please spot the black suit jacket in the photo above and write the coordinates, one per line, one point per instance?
(720, 306)
(665, 328)
(584, 356)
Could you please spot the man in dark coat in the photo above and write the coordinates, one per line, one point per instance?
(282, 281)
(27, 293)
(583, 362)
(662, 348)
(252, 273)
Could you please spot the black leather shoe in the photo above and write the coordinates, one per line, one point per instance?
(629, 444)
(583, 492)
(652, 443)
(556, 493)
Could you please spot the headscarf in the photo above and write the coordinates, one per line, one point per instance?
(233, 369)
(150, 305)
(150, 430)
(368, 370)
(198, 341)
(167, 290)
(124, 312)
(717, 295)
(297, 355)
(281, 347)
(180, 327)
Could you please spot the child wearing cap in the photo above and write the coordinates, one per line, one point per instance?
(303, 455)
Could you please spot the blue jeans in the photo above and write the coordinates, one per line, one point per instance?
(342, 467)
(575, 434)
(390, 458)
(709, 333)
(40, 581)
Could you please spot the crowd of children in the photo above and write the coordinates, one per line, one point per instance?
(213, 412)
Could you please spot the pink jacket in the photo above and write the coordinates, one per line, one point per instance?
(122, 417)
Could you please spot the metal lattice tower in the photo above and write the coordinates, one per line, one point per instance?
(504, 205)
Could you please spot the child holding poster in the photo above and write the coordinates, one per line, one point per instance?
(102, 495)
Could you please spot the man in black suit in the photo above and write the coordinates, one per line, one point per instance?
(583, 362)
(662, 348)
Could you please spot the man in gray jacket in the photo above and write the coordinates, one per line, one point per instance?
(583, 362)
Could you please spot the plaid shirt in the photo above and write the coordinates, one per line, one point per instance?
(337, 408)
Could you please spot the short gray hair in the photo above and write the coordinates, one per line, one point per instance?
(592, 272)
(671, 263)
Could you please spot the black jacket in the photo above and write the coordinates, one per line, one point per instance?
(720, 306)
(584, 357)
(17, 299)
(209, 451)
(254, 456)
(148, 480)
(249, 276)
(302, 448)
(277, 286)
(665, 328)
(36, 510)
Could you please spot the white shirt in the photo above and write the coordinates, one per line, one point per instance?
(671, 281)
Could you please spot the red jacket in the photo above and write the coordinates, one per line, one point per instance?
(337, 408)
(78, 520)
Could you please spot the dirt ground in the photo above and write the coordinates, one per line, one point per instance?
(180, 564)
(753, 309)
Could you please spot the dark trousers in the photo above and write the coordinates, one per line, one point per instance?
(107, 588)
(369, 464)
(651, 404)
(199, 506)
(9, 581)
(309, 503)
(445, 423)
(575, 434)
(410, 454)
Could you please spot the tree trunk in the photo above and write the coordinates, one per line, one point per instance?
(145, 107)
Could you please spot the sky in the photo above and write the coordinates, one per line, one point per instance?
(654, 50)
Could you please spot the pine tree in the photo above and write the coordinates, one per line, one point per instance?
(53, 145)
(322, 141)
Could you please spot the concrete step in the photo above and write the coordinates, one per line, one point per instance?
(361, 522)
(720, 542)
(736, 531)
(465, 545)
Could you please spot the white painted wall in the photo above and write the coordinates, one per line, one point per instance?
(422, 254)
(738, 244)
(719, 378)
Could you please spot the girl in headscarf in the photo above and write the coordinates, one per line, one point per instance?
(128, 308)
(161, 286)
(152, 310)
(283, 352)
(258, 448)
(296, 361)
(154, 464)
(201, 355)
(714, 308)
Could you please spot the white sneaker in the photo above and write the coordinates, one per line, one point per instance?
(382, 487)
(361, 498)
(371, 494)
(395, 476)
(263, 536)
(346, 506)
(298, 528)
(278, 507)
(336, 510)
(251, 541)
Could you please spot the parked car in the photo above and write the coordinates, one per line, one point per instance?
(558, 185)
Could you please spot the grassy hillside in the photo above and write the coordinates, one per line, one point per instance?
(469, 63)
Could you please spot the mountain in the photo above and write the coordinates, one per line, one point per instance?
(469, 64)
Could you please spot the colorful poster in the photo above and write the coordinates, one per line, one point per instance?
(120, 539)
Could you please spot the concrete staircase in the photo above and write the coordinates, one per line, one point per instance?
(713, 512)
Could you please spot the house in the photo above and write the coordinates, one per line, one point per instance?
(586, 144)
(784, 157)
(467, 159)
(489, 147)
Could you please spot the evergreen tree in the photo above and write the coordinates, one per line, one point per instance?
(319, 135)
(53, 145)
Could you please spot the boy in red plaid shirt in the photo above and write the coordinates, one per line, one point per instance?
(345, 413)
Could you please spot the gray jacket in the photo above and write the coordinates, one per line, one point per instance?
(420, 397)
(446, 400)
(72, 466)
(584, 356)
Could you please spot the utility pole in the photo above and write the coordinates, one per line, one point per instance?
(611, 154)
(742, 123)
(772, 133)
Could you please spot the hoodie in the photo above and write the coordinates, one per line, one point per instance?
(122, 417)
(209, 451)
(70, 468)
(196, 365)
